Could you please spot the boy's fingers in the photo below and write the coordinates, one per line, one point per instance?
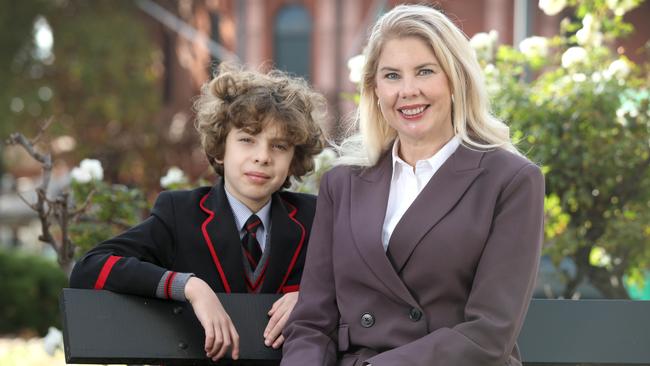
(275, 305)
(209, 338)
(276, 330)
(224, 345)
(270, 326)
(218, 340)
(235, 341)
(278, 342)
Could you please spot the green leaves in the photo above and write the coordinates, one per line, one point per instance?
(584, 115)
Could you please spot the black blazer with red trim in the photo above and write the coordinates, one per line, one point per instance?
(194, 231)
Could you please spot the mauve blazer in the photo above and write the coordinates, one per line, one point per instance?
(455, 284)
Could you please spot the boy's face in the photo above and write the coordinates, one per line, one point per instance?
(255, 166)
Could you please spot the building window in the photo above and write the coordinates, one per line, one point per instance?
(292, 40)
(215, 35)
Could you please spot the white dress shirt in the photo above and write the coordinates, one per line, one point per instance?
(407, 182)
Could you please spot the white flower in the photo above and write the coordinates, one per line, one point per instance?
(534, 47)
(618, 69)
(573, 56)
(490, 69)
(52, 341)
(590, 33)
(355, 64)
(174, 176)
(89, 169)
(620, 7)
(579, 77)
(552, 7)
(597, 77)
(484, 44)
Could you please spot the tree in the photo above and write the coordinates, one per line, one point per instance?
(101, 81)
(583, 113)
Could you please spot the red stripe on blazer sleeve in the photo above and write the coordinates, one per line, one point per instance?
(168, 285)
(106, 270)
(290, 288)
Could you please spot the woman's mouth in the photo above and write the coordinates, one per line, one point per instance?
(413, 112)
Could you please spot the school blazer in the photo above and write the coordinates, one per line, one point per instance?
(455, 284)
(195, 231)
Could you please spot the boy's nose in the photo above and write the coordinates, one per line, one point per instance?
(262, 156)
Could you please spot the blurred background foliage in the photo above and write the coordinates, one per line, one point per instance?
(31, 285)
(581, 110)
(100, 88)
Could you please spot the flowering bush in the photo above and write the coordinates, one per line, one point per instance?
(582, 112)
(112, 208)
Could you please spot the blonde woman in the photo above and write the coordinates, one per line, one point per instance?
(426, 240)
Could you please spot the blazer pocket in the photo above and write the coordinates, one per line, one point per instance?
(344, 338)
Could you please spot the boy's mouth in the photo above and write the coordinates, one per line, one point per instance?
(257, 177)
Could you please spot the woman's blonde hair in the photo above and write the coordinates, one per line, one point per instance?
(249, 100)
(472, 121)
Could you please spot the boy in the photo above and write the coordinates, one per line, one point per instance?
(243, 234)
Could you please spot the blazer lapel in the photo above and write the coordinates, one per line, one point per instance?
(287, 239)
(437, 198)
(221, 237)
(369, 197)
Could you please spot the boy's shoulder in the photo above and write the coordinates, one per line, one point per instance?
(181, 199)
(298, 199)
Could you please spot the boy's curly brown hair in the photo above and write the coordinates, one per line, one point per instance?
(248, 100)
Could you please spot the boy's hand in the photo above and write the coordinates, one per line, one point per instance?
(279, 314)
(220, 333)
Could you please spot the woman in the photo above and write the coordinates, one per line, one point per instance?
(425, 245)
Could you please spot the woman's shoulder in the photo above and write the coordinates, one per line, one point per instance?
(508, 164)
(505, 159)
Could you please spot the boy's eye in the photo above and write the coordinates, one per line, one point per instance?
(391, 76)
(282, 147)
(423, 72)
(245, 139)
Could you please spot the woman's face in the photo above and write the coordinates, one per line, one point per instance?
(413, 92)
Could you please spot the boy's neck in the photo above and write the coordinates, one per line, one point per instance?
(254, 206)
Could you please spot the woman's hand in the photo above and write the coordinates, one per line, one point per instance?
(220, 333)
(279, 314)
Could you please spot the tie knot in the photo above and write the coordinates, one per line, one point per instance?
(252, 224)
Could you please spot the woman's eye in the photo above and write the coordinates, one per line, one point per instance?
(281, 147)
(245, 139)
(391, 76)
(425, 72)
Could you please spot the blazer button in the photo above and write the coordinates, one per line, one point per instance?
(367, 320)
(415, 314)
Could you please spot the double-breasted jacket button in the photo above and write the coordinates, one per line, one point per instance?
(367, 320)
(415, 314)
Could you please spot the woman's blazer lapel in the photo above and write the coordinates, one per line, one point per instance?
(368, 200)
(438, 197)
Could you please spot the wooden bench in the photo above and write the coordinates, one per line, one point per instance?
(102, 327)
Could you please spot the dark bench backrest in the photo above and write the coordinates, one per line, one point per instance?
(103, 327)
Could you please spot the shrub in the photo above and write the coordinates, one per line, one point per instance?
(30, 290)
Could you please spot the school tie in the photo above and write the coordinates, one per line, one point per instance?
(249, 241)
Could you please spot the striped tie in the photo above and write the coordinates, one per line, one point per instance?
(249, 241)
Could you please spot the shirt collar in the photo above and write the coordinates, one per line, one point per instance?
(242, 213)
(433, 162)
